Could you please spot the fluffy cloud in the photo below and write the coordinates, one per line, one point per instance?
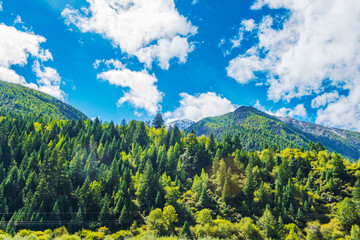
(16, 47)
(194, 2)
(243, 68)
(150, 30)
(298, 111)
(1, 8)
(245, 26)
(200, 106)
(18, 20)
(249, 25)
(324, 99)
(49, 80)
(317, 46)
(109, 63)
(344, 113)
(142, 94)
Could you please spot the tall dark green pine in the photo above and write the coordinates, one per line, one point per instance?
(54, 217)
(91, 166)
(204, 199)
(148, 189)
(158, 121)
(78, 219)
(356, 191)
(140, 135)
(124, 217)
(105, 213)
(186, 232)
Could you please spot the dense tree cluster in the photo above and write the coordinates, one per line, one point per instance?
(151, 180)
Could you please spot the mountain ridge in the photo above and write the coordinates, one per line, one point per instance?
(283, 132)
(19, 99)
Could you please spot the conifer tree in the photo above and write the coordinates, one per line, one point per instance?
(158, 121)
(356, 191)
(186, 232)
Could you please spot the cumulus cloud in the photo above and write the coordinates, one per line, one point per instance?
(16, 47)
(298, 111)
(316, 46)
(49, 81)
(150, 30)
(115, 63)
(243, 68)
(249, 25)
(344, 113)
(200, 106)
(18, 20)
(142, 94)
(324, 99)
(194, 2)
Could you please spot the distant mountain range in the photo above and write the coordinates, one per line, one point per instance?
(258, 129)
(23, 100)
(182, 124)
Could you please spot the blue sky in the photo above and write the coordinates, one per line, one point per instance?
(129, 59)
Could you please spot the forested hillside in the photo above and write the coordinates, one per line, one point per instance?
(258, 130)
(19, 99)
(131, 180)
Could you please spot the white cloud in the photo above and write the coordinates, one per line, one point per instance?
(243, 68)
(298, 111)
(164, 50)
(317, 46)
(16, 47)
(1, 8)
(49, 80)
(194, 2)
(249, 25)
(18, 20)
(115, 63)
(246, 26)
(344, 113)
(142, 94)
(200, 106)
(324, 99)
(150, 30)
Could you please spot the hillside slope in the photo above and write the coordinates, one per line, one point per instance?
(22, 100)
(258, 129)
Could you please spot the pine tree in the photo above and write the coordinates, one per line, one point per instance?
(226, 190)
(300, 218)
(91, 166)
(356, 191)
(268, 224)
(147, 189)
(186, 232)
(140, 136)
(124, 217)
(204, 199)
(158, 121)
(55, 215)
(105, 215)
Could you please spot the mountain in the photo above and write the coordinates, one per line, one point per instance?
(23, 100)
(257, 129)
(182, 124)
(339, 140)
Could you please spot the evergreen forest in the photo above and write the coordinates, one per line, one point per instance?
(87, 179)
